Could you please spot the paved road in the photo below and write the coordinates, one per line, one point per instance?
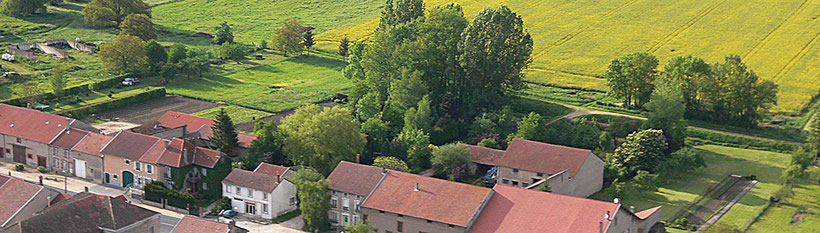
(167, 223)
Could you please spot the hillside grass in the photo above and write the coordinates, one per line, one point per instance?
(779, 218)
(238, 114)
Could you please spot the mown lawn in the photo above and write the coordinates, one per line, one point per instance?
(238, 114)
(779, 218)
(721, 162)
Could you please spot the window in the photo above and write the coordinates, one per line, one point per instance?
(151, 230)
(505, 181)
(334, 202)
(227, 188)
(429, 221)
(540, 174)
(515, 170)
(238, 190)
(399, 226)
(355, 219)
(204, 172)
(139, 180)
(265, 196)
(204, 186)
(358, 209)
(149, 168)
(525, 184)
(54, 151)
(345, 220)
(19, 141)
(250, 208)
(250, 193)
(127, 162)
(264, 208)
(168, 172)
(116, 177)
(8, 151)
(515, 183)
(381, 211)
(450, 225)
(345, 204)
(65, 153)
(292, 200)
(364, 217)
(29, 155)
(334, 217)
(138, 166)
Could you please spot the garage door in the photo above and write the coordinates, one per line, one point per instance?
(79, 168)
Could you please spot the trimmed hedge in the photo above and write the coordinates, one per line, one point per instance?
(85, 111)
(739, 141)
(111, 82)
(71, 91)
(155, 191)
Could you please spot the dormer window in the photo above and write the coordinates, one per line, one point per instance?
(127, 162)
(515, 170)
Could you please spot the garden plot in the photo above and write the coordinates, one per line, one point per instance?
(149, 112)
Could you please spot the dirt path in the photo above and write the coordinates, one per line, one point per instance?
(578, 111)
(723, 211)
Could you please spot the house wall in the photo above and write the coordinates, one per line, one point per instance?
(171, 133)
(522, 178)
(32, 147)
(150, 225)
(562, 184)
(337, 212)
(283, 199)
(115, 165)
(590, 178)
(38, 203)
(387, 221)
(58, 159)
(622, 222)
(241, 199)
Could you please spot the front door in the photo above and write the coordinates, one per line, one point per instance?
(41, 161)
(250, 208)
(127, 178)
(19, 153)
(79, 168)
(107, 178)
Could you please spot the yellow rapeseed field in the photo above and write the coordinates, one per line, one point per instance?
(575, 40)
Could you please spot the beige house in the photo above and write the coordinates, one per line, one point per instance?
(569, 171)
(350, 183)
(77, 153)
(26, 134)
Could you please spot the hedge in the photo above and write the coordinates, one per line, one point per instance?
(155, 192)
(111, 82)
(75, 90)
(739, 141)
(85, 111)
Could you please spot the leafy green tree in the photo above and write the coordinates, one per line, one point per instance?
(666, 110)
(370, 106)
(225, 136)
(138, 25)
(233, 51)
(288, 38)
(632, 78)
(546, 187)
(791, 173)
(408, 90)
(177, 53)
(646, 181)
(419, 119)
(307, 40)
(125, 54)
(322, 138)
(692, 73)
(58, 80)
(224, 34)
(802, 158)
(390, 162)
(268, 146)
(22, 7)
(113, 12)
(450, 156)
(813, 128)
(156, 55)
(313, 198)
(495, 53)
(737, 96)
(642, 150)
(489, 143)
(378, 138)
(574, 134)
(531, 127)
(196, 62)
(344, 47)
(616, 189)
(403, 11)
(679, 162)
(605, 141)
(361, 228)
(418, 148)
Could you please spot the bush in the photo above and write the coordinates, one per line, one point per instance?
(41, 169)
(19, 167)
(739, 141)
(114, 104)
(111, 82)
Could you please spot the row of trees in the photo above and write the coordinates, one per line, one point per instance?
(22, 7)
(727, 92)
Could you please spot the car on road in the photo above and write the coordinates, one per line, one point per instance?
(130, 81)
(228, 213)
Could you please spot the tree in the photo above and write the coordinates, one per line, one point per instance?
(402, 12)
(813, 128)
(495, 53)
(642, 150)
(792, 173)
(489, 143)
(313, 198)
(419, 119)
(197, 63)
(322, 138)
(370, 106)
(225, 136)
(692, 73)
(307, 40)
(288, 38)
(646, 181)
(156, 55)
(391, 163)
(267, 147)
(666, 109)
(737, 96)
(177, 53)
(113, 12)
(632, 77)
(417, 143)
(22, 7)
(138, 25)
(605, 141)
(233, 51)
(58, 80)
(344, 47)
(362, 227)
(450, 156)
(30, 93)
(546, 187)
(616, 189)
(125, 54)
(531, 127)
(224, 34)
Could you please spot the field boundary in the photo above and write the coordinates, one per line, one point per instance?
(797, 57)
(683, 27)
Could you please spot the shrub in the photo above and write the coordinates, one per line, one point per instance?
(19, 167)
(117, 103)
(739, 141)
(41, 169)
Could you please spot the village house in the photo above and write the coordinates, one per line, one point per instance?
(87, 212)
(530, 164)
(514, 209)
(192, 128)
(263, 192)
(26, 134)
(132, 158)
(350, 184)
(76, 152)
(20, 200)
(191, 224)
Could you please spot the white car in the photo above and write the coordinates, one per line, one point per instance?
(130, 81)
(8, 57)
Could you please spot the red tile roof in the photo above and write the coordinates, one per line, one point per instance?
(155, 150)
(60, 197)
(543, 157)
(69, 138)
(513, 209)
(270, 169)
(191, 224)
(172, 119)
(254, 180)
(92, 144)
(648, 212)
(14, 195)
(354, 178)
(484, 155)
(436, 199)
(130, 145)
(30, 124)
(244, 140)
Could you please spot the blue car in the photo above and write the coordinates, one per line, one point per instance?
(229, 213)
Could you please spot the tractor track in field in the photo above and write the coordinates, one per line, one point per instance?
(564, 72)
(797, 57)
(683, 28)
(581, 29)
(769, 35)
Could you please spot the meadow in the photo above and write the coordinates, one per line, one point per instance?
(238, 114)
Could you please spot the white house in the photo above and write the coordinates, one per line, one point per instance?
(263, 192)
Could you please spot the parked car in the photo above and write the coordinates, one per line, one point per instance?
(130, 81)
(42, 107)
(8, 57)
(228, 213)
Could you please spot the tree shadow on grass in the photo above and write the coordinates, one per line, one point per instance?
(318, 61)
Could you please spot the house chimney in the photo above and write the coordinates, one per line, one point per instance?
(231, 225)
(601, 226)
(417, 188)
(278, 178)
(67, 123)
(384, 171)
(607, 216)
(358, 158)
(28, 105)
(167, 143)
(616, 201)
(632, 208)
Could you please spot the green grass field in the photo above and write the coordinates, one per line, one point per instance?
(779, 218)
(238, 114)
(721, 162)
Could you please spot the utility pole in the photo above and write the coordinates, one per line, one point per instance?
(65, 182)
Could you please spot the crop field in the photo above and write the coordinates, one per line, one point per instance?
(576, 40)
